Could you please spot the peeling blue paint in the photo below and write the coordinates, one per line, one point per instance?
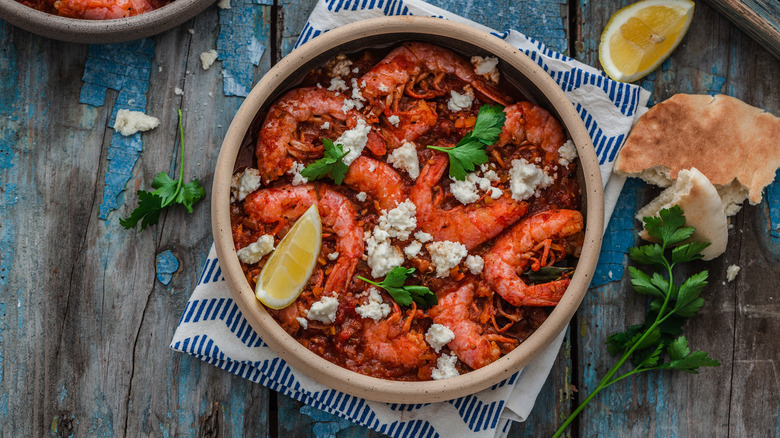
(238, 46)
(713, 83)
(326, 425)
(123, 67)
(773, 205)
(618, 237)
(9, 122)
(102, 421)
(63, 394)
(649, 84)
(167, 264)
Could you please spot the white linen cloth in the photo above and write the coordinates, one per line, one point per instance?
(212, 328)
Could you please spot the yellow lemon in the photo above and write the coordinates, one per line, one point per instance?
(288, 269)
(641, 36)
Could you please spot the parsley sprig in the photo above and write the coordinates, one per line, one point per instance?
(330, 164)
(648, 345)
(168, 191)
(470, 150)
(404, 295)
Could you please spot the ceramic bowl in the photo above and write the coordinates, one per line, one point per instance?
(101, 31)
(527, 76)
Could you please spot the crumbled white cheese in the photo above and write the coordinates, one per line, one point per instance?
(400, 221)
(423, 237)
(475, 264)
(466, 191)
(349, 104)
(487, 67)
(295, 171)
(445, 367)
(405, 158)
(526, 179)
(361, 196)
(731, 272)
(129, 122)
(371, 167)
(446, 255)
(325, 125)
(303, 322)
(383, 88)
(244, 183)
(333, 256)
(340, 66)
(178, 91)
(567, 152)
(382, 257)
(324, 310)
(252, 253)
(413, 249)
(459, 102)
(356, 91)
(438, 336)
(337, 84)
(375, 308)
(394, 120)
(356, 70)
(223, 4)
(208, 58)
(354, 140)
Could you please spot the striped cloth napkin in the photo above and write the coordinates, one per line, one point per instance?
(213, 329)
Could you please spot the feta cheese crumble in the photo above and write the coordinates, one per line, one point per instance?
(400, 221)
(129, 122)
(252, 253)
(438, 336)
(475, 264)
(394, 120)
(324, 310)
(295, 171)
(333, 256)
(405, 158)
(356, 91)
(361, 196)
(208, 58)
(382, 257)
(526, 179)
(244, 183)
(325, 125)
(466, 191)
(375, 308)
(445, 367)
(337, 84)
(460, 102)
(731, 272)
(423, 237)
(303, 322)
(354, 140)
(567, 152)
(413, 249)
(224, 4)
(446, 255)
(178, 91)
(339, 66)
(486, 67)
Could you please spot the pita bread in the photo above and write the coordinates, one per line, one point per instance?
(702, 207)
(735, 145)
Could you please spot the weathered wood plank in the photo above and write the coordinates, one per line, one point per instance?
(758, 18)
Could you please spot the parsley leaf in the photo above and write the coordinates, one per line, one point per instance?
(168, 191)
(330, 164)
(470, 150)
(405, 295)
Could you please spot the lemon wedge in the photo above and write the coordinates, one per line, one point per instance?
(639, 37)
(287, 271)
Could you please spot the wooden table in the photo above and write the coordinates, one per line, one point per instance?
(86, 313)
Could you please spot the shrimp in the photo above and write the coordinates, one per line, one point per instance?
(471, 224)
(529, 123)
(472, 347)
(416, 119)
(377, 179)
(411, 65)
(506, 258)
(283, 205)
(280, 141)
(103, 9)
(389, 343)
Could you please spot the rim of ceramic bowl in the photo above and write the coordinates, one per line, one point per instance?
(77, 30)
(330, 374)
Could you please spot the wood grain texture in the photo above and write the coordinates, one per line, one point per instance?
(758, 18)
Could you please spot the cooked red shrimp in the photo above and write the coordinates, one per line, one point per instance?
(472, 347)
(471, 224)
(279, 143)
(377, 179)
(387, 342)
(105, 9)
(406, 67)
(283, 205)
(505, 259)
(529, 123)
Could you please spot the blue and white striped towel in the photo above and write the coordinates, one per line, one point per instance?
(213, 329)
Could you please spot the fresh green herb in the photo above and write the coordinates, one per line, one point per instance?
(470, 150)
(547, 274)
(168, 191)
(404, 295)
(329, 165)
(649, 344)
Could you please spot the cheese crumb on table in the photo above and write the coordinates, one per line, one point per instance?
(208, 58)
(324, 310)
(731, 272)
(244, 183)
(223, 4)
(445, 367)
(375, 308)
(475, 264)
(129, 122)
(405, 158)
(438, 336)
(526, 179)
(178, 91)
(446, 255)
(254, 252)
